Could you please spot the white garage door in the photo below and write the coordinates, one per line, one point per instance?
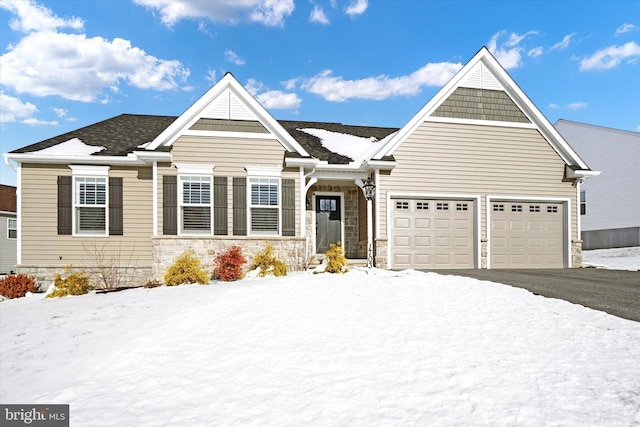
(527, 235)
(432, 233)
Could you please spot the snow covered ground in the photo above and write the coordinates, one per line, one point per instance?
(367, 348)
(616, 259)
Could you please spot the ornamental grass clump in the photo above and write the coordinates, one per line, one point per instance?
(77, 283)
(336, 259)
(267, 263)
(17, 285)
(228, 264)
(186, 269)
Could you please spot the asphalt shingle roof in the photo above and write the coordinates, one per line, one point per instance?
(124, 134)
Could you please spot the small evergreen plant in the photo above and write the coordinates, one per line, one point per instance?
(187, 268)
(336, 259)
(17, 285)
(228, 264)
(268, 263)
(77, 283)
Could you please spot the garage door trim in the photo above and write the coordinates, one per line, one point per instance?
(566, 235)
(448, 196)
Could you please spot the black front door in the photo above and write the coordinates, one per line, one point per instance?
(328, 222)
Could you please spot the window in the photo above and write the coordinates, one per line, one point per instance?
(534, 208)
(264, 206)
(552, 209)
(90, 205)
(498, 208)
(195, 204)
(516, 208)
(441, 206)
(12, 228)
(402, 205)
(422, 206)
(583, 203)
(462, 206)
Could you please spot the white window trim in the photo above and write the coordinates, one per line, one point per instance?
(15, 221)
(181, 204)
(85, 171)
(264, 172)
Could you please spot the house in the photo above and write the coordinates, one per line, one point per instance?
(609, 204)
(478, 178)
(8, 230)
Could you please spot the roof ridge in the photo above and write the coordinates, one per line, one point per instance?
(589, 125)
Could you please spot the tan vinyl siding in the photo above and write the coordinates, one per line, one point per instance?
(229, 156)
(41, 244)
(444, 158)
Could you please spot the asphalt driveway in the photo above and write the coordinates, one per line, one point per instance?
(613, 291)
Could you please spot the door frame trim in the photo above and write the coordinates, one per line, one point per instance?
(313, 207)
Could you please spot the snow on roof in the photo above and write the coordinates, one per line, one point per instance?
(356, 147)
(72, 147)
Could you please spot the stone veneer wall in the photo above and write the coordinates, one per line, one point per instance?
(380, 254)
(291, 250)
(132, 276)
(576, 253)
(351, 218)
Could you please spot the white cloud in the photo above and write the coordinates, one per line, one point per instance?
(337, 89)
(572, 106)
(14, 109)
(554, 106)
(211, 76)
(36, 122)
(60, 112)
(231, 56)
(272, 99)
(79, 68)
(266, 12)
(30, 16)
(357, 7)
(626, 28)
(508, 52)
(318, 16)
(535, 52)
(610, 57)
(564, 43)
(275, 99)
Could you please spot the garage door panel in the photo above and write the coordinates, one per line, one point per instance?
(440, 233)
(527, 235)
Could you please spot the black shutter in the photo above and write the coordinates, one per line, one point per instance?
(288, 207)
(220, 205)
(115, 206)
(170, 205)
(239, 206)
(65, 205)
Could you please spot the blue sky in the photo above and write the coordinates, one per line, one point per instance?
(67, 64)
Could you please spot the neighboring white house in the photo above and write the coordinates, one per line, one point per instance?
(8, 230)
(610, 203)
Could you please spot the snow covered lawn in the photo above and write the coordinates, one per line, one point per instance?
(361, 349)
(616, 259)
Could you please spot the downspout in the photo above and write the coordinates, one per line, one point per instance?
(18, 171)
(155, 198)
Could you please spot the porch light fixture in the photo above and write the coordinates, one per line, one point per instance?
(369, 192)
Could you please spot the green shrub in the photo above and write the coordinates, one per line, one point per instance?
(268, 264)
(228, 264)
(74, 284)
(336, 259)
(17, 285)
(187, 268)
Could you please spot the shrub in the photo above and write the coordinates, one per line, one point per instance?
(152, 284)
(228, 264)
(336, 259)
(186, 269)
(268, 264)
(17, 285)
(74, 284)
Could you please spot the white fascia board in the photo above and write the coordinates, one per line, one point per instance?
(380, 164)
(221, 134)
(480, 122)
(153, 156)
(577, 174)
(193, 113)
(293, 162)
(8, 213)
(129, 160)
(89, 170)
(195, 169)
(266, 171)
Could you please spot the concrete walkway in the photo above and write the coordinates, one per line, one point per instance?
(613, 291)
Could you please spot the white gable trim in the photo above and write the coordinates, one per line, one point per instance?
(227, 96)
(484, 71)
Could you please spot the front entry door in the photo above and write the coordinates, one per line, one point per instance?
(328, 222)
